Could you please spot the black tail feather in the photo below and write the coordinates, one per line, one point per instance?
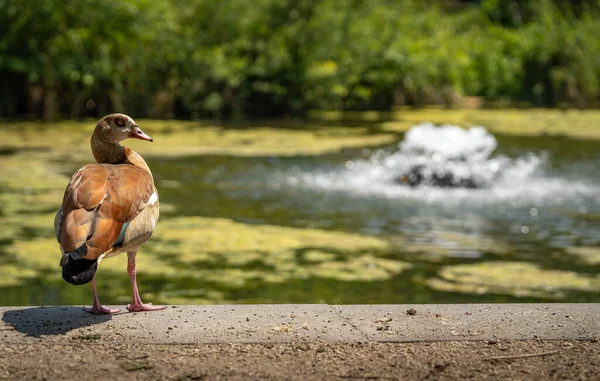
(79, 271)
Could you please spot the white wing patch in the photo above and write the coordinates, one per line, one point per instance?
(153, 199)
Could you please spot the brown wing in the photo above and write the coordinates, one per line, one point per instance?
(99, 199)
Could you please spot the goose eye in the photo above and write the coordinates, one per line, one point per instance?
(120, 122)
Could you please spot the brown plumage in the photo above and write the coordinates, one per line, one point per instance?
(107, 208)
(100, 198)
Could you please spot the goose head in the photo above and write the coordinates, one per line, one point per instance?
(115, 128)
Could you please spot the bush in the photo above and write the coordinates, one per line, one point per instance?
(264, 58)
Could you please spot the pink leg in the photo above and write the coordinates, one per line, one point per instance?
(97, 308)
(137, 304)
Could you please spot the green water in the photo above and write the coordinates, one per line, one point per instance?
(537, 239)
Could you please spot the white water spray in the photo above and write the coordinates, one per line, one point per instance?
(464, 158)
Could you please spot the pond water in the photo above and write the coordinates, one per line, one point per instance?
(542, 201)
(516, 219)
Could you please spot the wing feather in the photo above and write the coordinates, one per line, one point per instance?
(99, 199)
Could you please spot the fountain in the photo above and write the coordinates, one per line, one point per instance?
(447, 157)
(450, 165)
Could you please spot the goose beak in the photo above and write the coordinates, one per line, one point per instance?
(137, 133)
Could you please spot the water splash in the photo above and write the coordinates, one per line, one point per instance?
(468, 157)
(449, 142)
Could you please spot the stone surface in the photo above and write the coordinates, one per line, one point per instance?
(291, 323)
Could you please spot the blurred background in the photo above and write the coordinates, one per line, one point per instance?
(273, 58)
(347, 151)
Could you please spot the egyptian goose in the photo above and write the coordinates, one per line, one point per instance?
(108, 208)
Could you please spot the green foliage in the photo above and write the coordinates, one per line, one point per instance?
(234, 58)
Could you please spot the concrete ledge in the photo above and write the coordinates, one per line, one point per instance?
(291, 323)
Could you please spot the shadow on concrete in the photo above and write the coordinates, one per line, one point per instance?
(49, 321)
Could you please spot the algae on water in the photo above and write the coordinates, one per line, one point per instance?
(512, 278)
(589, 255)
(216, 250)
(36, 161)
